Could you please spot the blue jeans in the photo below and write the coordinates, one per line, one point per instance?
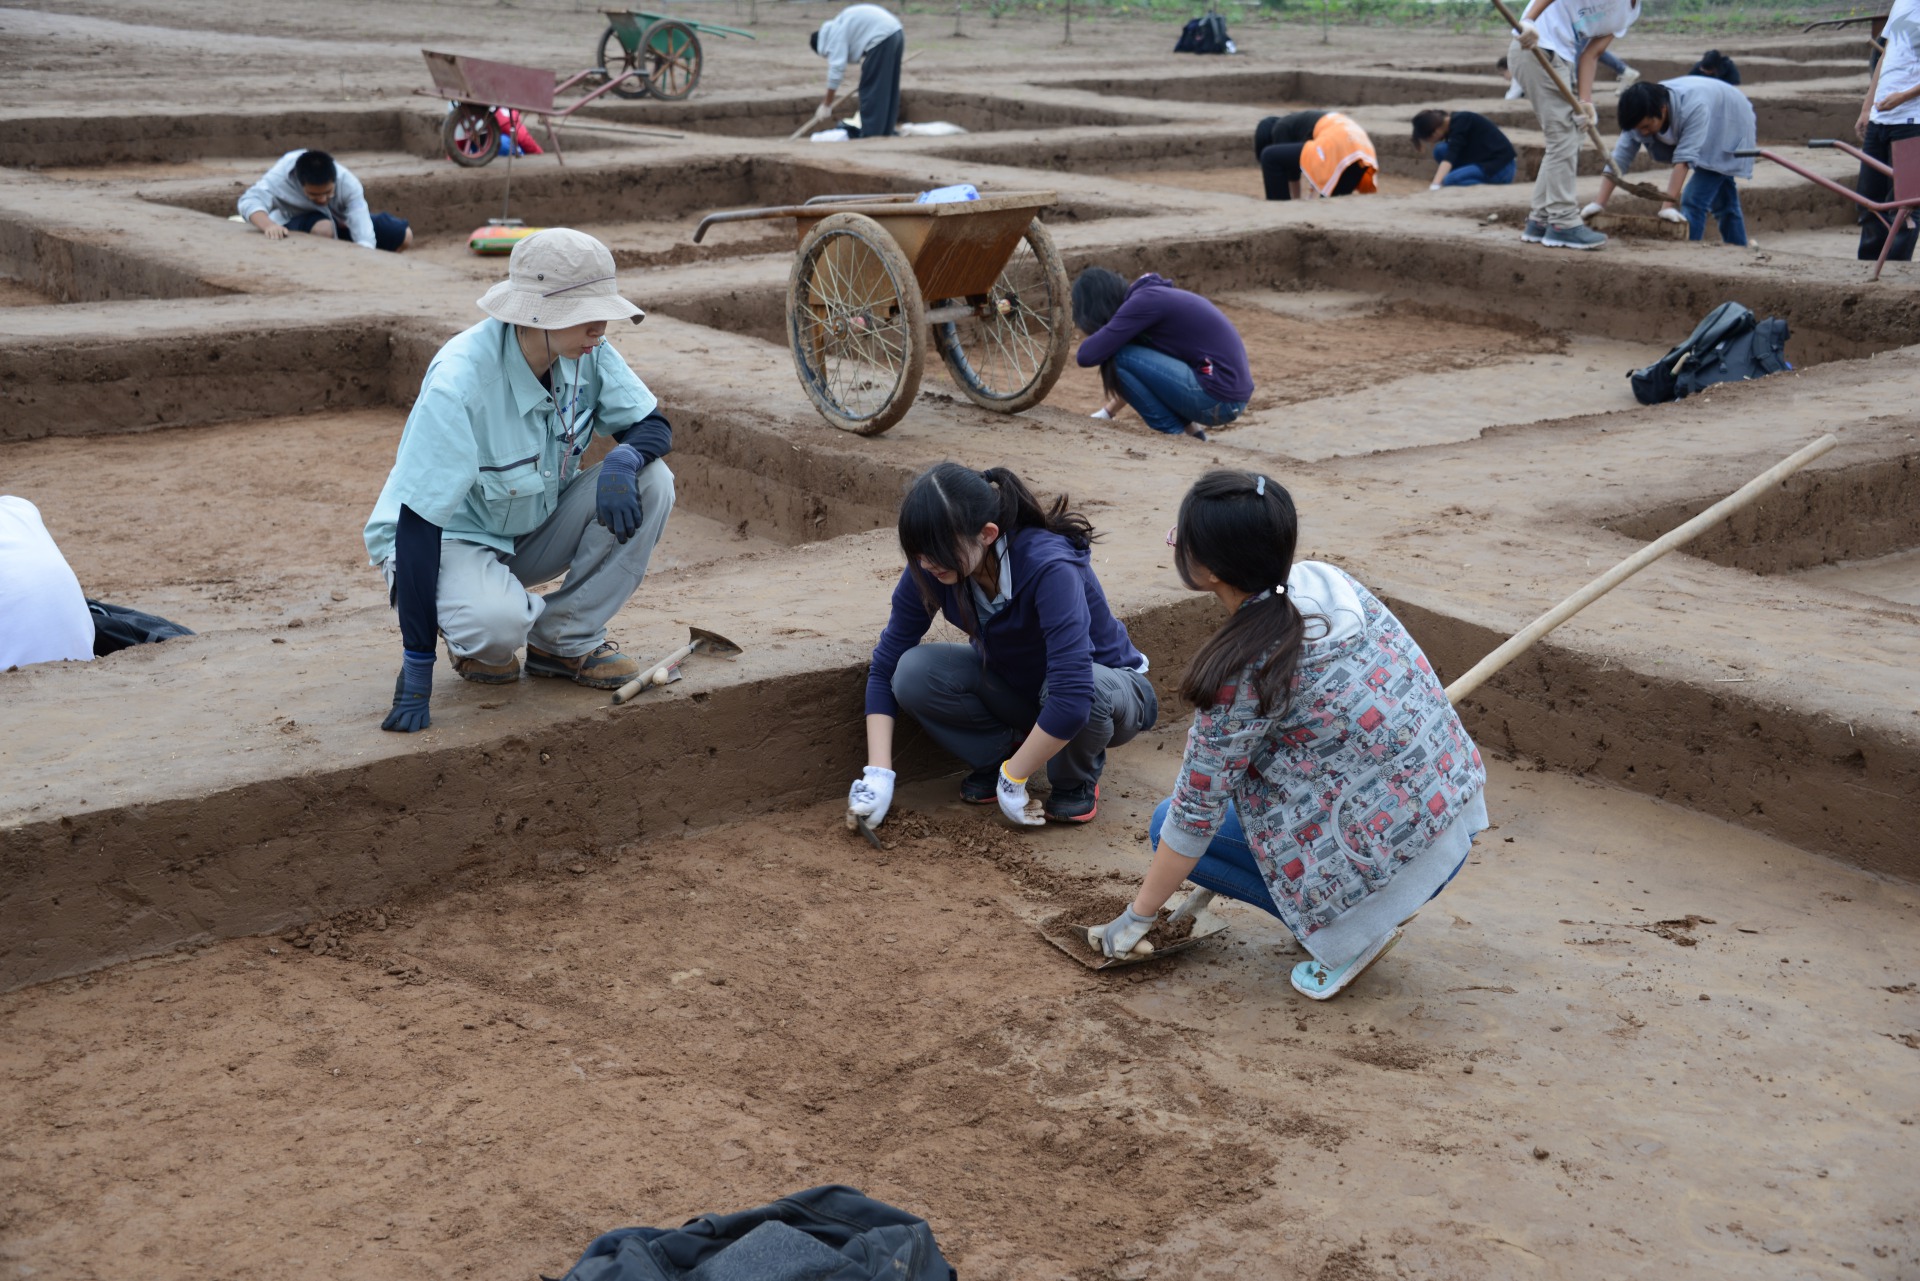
(1712, 193)
(1473, 175)
(1165, 391)
(1228, 866)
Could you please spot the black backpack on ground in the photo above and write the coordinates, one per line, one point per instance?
(1206, 34)
(830, 1233)
(117, 627)
(1728, 346)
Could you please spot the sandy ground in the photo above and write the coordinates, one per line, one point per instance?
(1631, 1041)
(1589, 1048)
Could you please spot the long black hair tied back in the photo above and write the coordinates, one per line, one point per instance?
(948, 504)
(1241, 528)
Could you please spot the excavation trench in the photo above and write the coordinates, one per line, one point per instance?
(45, 266)
(763, 116)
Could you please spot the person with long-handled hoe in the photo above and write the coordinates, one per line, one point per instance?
(1553, 41)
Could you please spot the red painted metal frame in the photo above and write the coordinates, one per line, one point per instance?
(1905, 172)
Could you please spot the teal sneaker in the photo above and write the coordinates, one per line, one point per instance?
(1323, 982)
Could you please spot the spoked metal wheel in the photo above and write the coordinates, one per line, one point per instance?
(470, 135)
(1009, 353)
(616, 59)
(856, 324)
(672, 59)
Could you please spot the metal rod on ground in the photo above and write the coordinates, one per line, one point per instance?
(1640, 189)
(1740, 498)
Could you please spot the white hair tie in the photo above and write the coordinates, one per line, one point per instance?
(1260, 487)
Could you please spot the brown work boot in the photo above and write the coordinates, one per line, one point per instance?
(473, 669)
(605, 668)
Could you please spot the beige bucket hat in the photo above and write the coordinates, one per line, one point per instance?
(556, 279)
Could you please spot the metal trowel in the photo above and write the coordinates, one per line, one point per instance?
(1072, 937)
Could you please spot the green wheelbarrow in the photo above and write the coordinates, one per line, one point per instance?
(664, 51)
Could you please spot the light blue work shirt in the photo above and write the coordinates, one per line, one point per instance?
(487, 449)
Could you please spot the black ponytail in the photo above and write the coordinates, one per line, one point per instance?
(947, 505)
(1241, 528)
(1097, 294)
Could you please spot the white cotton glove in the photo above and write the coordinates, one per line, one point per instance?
(1590, 113)
(1102, 414)
(1671, 214)
(871, 796)
(1122, 934)
(1529, 34)
(1433, 186)
(1591, 208)
(1012, 794)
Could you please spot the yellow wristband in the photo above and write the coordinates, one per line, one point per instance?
(1021, 782)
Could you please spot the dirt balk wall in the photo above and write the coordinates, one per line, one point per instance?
(89, 890)
(148, 137)
(98, 388)
(1806, 779)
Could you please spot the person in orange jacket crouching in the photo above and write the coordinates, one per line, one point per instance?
(1317, 153)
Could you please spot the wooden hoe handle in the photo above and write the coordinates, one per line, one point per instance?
(1643, 190)
(1593, 591)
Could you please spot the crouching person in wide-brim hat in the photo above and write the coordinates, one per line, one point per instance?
(487, 496)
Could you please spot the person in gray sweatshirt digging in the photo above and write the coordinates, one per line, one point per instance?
(1697, 124)
(870, 36)
(308, 191)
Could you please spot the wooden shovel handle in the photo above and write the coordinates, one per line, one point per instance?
(1745, 496)
(1640, 189)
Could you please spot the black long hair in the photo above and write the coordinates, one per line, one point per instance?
(947, 505)
(1097, 294)
(1241, 527)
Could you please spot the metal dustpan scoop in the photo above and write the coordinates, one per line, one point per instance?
(1070, 936)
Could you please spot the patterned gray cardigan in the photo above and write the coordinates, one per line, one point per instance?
(1363, 770)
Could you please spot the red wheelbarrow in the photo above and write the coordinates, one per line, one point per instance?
(1905, 172)
(479, 88)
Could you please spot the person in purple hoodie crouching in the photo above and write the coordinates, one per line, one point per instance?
(1168, 353)
(1048, 678)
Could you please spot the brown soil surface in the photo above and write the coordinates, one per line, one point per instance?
(294, 997)
(486, 1076)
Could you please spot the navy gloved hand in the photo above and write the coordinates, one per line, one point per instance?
(411, 690)
(617, 501)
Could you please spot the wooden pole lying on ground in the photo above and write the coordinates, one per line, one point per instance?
(1645, 191)
(1745, 496)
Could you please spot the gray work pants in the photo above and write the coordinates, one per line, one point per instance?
(485, 609)
(980, 718)
(1555, 198)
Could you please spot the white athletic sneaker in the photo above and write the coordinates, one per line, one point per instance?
(1628, 79)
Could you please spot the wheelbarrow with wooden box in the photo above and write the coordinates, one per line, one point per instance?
(876, 277)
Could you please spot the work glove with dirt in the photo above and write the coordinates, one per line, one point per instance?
(616, 497)
(1529, 34)
(411, 691)
(1590, 114)
(870, 797)
(1670, 214)
(1122, 934)
(1014, 802)
(1591, 208)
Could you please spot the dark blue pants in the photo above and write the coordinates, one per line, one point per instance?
(1228, 866)
(389, 232)
(1708, 194)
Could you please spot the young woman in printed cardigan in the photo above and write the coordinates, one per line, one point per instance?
(1327, 779)
(1048, 678)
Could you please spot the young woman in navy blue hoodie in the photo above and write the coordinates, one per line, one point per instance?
(1048, 678)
